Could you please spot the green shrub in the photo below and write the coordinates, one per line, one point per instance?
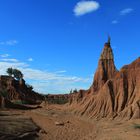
(20, 102)
(57, 100)
(17, 102)
(137, 126)
(4, 93)
(24, 102)
(30, 87)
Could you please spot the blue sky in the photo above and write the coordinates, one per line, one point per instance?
(57, 44)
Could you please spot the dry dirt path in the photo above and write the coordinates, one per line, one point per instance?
(74, 128)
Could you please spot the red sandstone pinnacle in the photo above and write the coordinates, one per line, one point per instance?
(113, 94)
(106, 67)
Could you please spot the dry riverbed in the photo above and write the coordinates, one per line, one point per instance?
(55, 123)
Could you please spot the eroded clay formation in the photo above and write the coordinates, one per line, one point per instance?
(113, 93)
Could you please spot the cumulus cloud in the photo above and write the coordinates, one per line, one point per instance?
(122, 13)
(114, 21)
(10, 60)
(9, 42)
(45, 81)
(84, 7)
(126, 11)
(35, 74)
(4, 55)
(30, 59)
(61, 71)
(5, 65)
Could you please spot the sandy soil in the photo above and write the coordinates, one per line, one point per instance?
(76, 128)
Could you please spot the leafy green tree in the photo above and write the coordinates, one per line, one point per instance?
(71, 91)
(75, 91)
(10, 71)
(17, 74)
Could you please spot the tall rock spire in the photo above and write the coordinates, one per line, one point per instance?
(107, 51)
(106, 67)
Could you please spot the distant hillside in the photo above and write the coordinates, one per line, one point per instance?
(57, 98)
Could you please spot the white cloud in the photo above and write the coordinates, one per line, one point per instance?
(114, 21)
(9, 42)
(61, 71)
(10, 60)
(123, 13)
(85, 7)
(44, 81)
(30, 59)
(126, 11)
(4, 55)
(5, 65)
(35, 74)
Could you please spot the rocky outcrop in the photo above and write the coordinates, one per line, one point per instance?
(2, 102)
(113, 94)
(13, 91)
(17, 127)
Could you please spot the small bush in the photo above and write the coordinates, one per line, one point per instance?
(57, 100)
(20, 102)
(137, 126)
(24, 102)
(30, 87)
(4, 93)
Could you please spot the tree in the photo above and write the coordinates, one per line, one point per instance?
(17, 74)
(75, 91)
(30, 87)
(10, 71)
(71, 91)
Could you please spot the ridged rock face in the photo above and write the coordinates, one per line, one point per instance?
(2, 103)
(106, 68)
(13, 90)
(113, 94)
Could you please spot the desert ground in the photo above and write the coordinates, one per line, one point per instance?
(57, 123)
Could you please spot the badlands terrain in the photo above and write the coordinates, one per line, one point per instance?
(108, 110)
(55, 122)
